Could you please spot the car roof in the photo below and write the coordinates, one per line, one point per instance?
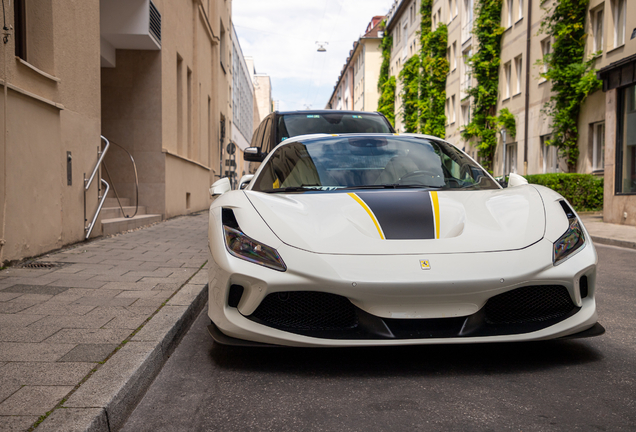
(360, 134)
(326, 112)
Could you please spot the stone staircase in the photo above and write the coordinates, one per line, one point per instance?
(113, 221)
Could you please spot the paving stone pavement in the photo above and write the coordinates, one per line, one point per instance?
(607, 233)
(57, 325)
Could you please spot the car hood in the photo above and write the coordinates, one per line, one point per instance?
(404, 221)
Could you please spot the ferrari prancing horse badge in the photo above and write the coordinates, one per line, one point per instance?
(425, 264)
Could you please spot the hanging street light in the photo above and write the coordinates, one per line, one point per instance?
(321, 46)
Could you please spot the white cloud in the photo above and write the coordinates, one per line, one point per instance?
(281, 36)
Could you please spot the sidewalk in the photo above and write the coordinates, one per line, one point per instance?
(80, 341)
(609, 234)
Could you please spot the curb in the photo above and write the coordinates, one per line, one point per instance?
(104, 402)
(613, 242)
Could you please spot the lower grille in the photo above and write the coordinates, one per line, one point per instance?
(331, 316)
(306, 311)
(529, 304)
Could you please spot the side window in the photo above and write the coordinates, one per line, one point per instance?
(257, 138)
(267, 136)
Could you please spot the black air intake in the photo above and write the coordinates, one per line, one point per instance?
(529, 304)
(306, 311)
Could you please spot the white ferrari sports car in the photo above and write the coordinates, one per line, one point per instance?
(387, 239)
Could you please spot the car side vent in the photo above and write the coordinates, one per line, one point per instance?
(155, 23)
(567, 209)
(228, 218)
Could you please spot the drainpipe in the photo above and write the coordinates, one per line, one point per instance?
(6, 34)
(527, 108)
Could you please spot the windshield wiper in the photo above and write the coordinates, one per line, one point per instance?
(295, 189)
(393, 186)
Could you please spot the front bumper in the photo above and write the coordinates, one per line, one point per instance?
(395, 287)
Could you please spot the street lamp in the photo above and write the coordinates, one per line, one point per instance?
(321, 46)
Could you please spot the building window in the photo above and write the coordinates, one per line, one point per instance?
(597, 28)
(618, 10)
(465, 114)
(406, 39)
(520, 9)
(189, 112)
(508, 13)
(545, 51)
(223, 48)
(33, 32)
(452, 10)
(466, 73)
(447, 111)
(510, 163)
(19, 20)
(626, 145)
(180, 105)
(598, 146)
(518, 74)
(454, 55)
(507, 78)
(467, 28)
(452, 107)
(549, 155)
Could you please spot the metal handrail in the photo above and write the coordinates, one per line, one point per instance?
(136, 184)
(99, 161)
(87, 185)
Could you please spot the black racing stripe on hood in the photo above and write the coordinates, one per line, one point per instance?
(402, 214)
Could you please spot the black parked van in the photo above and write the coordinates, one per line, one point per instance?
(278, 126)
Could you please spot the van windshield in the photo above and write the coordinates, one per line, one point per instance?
(290, 125)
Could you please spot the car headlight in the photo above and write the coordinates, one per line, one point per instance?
(572, 240)
(241, 246)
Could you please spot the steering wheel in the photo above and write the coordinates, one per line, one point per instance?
(425, 179)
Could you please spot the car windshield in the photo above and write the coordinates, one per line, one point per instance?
(369, 161)
(290, 125)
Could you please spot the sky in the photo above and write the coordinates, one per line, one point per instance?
(281, 36)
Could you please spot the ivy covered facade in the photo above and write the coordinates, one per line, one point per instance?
(471, 75)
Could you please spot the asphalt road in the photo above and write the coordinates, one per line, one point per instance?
(586, 384)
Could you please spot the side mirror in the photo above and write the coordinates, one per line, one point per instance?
(253, 154)
(245, 181)
(516, 180)
(221, 186)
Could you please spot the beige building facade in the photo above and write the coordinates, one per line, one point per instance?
(153, 77)
(617, 37)
(357, 86)
(242, 123)
(610, 26)
(403, 23)
(263, 103)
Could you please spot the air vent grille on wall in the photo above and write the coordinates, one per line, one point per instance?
(155, 23)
